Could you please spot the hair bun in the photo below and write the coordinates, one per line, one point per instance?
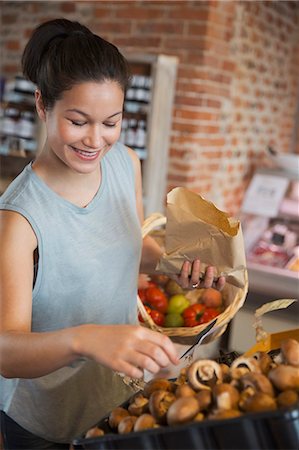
(42, 40)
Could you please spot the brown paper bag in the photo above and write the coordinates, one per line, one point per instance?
(195, 228)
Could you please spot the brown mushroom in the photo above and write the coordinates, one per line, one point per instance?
(224, 414)
(159, 403)
(258, 382)
(158, 384)
(259, 402)
(225, 371)
(182, 410)
(94, 432)
(285, 377)
(144, 422)
(290, 352)
(184, 390)
(138, 405)
(264, 360)
(287, 398)
(244, 394)
(199, 417)
(204, 399)
(126, 425)
(204, 374)
(116, 415)
(225, 396)
(250, 363)
(182, 378)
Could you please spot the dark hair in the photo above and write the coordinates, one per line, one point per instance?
(61, 53)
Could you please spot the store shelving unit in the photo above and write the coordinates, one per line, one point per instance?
(268, 279)
(267, 282)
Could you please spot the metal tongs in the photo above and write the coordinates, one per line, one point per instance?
(200, 337)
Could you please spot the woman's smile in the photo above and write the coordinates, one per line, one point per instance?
(84, 154)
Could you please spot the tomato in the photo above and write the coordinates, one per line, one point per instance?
(142, 295)
(209, 314)
(156, 299)
(148, 310)
(157, 317)
(192, 315)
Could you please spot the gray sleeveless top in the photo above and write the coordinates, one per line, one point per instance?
(87, 273)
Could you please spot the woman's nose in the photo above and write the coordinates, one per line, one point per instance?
(93, 139)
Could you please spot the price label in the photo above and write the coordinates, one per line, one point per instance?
(265, 195)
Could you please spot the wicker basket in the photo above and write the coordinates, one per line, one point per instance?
(233, 296)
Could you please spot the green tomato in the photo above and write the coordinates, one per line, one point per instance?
(177, 304)
(173, 320)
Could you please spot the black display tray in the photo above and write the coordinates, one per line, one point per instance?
(255, 431)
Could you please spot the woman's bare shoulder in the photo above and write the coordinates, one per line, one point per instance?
(14, 227)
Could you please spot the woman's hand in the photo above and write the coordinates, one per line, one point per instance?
(129, 349)
(194, 280)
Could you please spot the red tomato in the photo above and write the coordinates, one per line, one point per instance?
(148, 310)
(192, 315)
(142, 295)
(209, 314)
(157, 299)
(157, 317)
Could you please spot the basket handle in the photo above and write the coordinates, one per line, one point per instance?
(153, 221)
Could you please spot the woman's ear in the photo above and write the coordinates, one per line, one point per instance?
(39, 104)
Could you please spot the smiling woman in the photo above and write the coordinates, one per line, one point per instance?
(72, 249)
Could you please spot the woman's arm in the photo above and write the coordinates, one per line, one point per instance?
(125, 348)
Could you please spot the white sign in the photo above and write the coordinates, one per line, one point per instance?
(265, 195)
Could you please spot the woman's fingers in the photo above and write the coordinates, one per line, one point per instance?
(220, 283)
(190, 276)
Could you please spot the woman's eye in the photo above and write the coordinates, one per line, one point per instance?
(78, 124)
(110, 125)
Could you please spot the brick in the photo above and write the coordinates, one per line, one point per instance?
(13, 45)
(68, 7)
(170, 28)
(195, 115)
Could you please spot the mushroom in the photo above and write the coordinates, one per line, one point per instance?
(203, 374)
(287, 398)
(251, 364)
(258, 382)
(182, 378)
(116, 415)
(258, 402)
(94, 432)
(284, 377)
(225, 396)
(126, 425)
(182, 410)
(264, 361)
(144, 422)
(159, 403)
(290, 352)
(138, 405)
(224, 414)
(225, 370)
(184, 390)
(199, 417)
(158, 384)
(204, 399)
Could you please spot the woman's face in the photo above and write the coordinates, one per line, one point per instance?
(84, 124)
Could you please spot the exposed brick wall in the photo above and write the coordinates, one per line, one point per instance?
(238, 77)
